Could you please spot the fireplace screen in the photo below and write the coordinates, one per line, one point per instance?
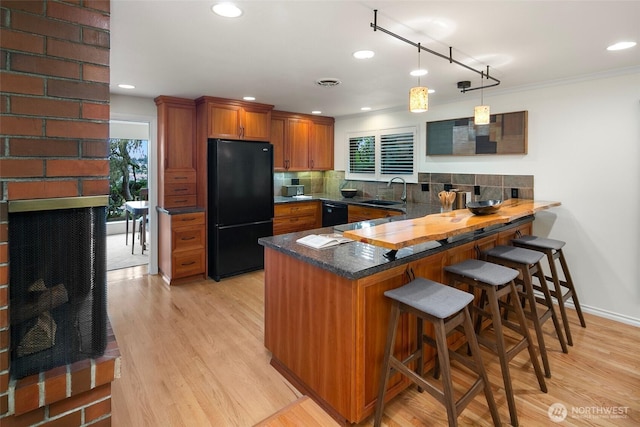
(57, 287)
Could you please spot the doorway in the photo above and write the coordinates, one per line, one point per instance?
(127, 246)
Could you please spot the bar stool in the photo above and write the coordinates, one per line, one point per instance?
(527, 262)
(446, 308)
(495, 281)
(553, 250)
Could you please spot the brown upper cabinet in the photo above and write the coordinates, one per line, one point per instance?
(176, 152)
(301, 142)
(233, 119)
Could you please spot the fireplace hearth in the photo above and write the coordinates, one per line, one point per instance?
(57, 276)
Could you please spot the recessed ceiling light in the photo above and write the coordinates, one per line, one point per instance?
(316, 112)
(125, 86)
(431, 91)
(621, 45)
(363, 54)
(420, 72)
(249, 98)
(228, 10)
(366, 108)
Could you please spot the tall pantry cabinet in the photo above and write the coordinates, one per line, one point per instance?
(181, 224)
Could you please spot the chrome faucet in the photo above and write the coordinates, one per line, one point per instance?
(404, 189)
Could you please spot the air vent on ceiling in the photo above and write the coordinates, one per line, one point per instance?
(328, 82)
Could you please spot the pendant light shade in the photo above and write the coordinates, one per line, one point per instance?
(418, 99)
(481, 115)
(419, 95)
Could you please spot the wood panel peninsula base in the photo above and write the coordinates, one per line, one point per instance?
(326, 316)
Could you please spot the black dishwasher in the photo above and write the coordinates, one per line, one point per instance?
(334, 214)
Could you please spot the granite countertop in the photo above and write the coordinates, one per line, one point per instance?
(355, 260)
(411, 210)
(352, 260)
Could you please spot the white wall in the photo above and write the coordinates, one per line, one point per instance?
(584, 150)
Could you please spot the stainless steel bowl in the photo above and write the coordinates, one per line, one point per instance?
(348, 192)
(484, 207)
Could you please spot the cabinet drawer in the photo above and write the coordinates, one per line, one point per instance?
(188, 238)
(180, 176)
(187, 219)
(287, 209)
(188, 263)
(185, 189)
(294, 223)
(179, 201)
(363, 213)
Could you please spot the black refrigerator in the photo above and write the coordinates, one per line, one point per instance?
(240, 205)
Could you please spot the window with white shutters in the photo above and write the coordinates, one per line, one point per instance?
(382, 154)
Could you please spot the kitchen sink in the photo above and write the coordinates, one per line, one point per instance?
(382, 202)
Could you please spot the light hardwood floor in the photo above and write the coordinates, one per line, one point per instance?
(193, 355)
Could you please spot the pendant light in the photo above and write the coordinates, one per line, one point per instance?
(481, 115)
(419, 95)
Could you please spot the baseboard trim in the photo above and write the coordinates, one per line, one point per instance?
(606, 314)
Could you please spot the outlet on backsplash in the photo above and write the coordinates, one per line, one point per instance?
(514, 193)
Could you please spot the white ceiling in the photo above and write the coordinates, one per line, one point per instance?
(277, 49)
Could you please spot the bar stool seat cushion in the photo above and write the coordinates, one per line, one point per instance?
(482, 271)
(431, 297)
(540, 242)
(512, 253)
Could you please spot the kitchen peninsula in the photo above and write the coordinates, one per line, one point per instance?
(325, 313)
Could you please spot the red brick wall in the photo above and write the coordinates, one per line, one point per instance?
(54, 112)
(54, 93)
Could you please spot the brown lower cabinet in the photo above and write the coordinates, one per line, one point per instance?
(364, 213)
(181, 246)
(296, 216)
(329, 342)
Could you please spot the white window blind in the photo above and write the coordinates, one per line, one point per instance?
(396, 153)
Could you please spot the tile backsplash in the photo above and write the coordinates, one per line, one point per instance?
(313, 181)
(490, 186)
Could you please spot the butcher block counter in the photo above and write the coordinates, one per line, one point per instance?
(400, 234)
(325, 313)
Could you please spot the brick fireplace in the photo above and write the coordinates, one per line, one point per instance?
(54, 114)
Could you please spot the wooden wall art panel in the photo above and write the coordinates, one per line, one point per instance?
(506, 134)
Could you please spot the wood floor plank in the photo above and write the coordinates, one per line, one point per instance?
(193, 355)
